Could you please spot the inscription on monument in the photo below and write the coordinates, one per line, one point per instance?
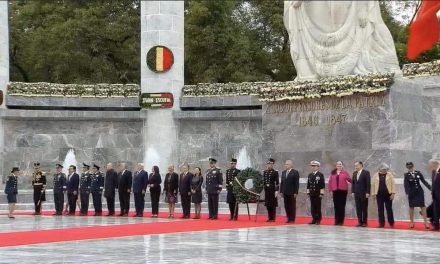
(328, 111)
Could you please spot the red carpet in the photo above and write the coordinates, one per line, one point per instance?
(100, 232)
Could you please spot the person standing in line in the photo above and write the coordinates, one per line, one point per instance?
(72, 189)
(271, 183)
(231, 173)
(39, 185)
(360, 189)
(289, 188)
(196, 191)
(140, 182)
(96, 188)
(11, 191)
(338, 186)
(434, 166)
(110, 186)
(315, 190)
(171, 187)
(412, 182)
(383, 187)
(59, 188)
(154, 182)
(84, 189)
(214, 185)
(124, 189)
(185, 191)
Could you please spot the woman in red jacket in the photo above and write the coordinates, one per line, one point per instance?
(338, 185)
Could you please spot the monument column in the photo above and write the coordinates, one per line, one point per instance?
(4, 75)
(162, 24)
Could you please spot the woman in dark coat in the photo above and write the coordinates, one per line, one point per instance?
(154, 181)
(416, 196)
(171, 187)
(39, 185)
(196, 191)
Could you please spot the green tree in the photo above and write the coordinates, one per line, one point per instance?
(75, 41)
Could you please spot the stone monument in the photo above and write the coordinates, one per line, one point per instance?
(329, 38)
(162, 24)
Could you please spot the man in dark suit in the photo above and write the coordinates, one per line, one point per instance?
(214, 185)
(360, 189)
(185, 191)
(124, 189)
(140, 182)
(111, 184)
(72, 189)
(434, 165)
(289, 188)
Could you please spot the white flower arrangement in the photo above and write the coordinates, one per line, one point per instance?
(338, 86)
(421, 69)
(42, 89)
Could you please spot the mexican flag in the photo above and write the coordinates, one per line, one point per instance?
(160, 59)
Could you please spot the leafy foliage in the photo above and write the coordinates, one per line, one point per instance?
(241, 194)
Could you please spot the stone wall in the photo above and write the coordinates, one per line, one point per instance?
(95, 137)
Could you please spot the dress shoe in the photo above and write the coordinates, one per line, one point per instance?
(312, 223)
(126, 214)
(359, 225)
(214, 218)
(380, 226)
(121, 214)
(317, 223)
(364, 225)
(110, 214)
(11, 217)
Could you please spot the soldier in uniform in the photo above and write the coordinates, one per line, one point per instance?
(214, 181)
(315, 190)
(11, 191)
(231, 173)
(96, 188)
(39, 186)
(271, 186)
(84, 189)
(412, 182)
(59, 188)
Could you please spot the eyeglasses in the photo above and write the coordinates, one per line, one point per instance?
(36, 164)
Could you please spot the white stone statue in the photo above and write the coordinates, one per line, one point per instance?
(329, 38)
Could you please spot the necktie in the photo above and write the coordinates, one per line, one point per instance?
(337, 181)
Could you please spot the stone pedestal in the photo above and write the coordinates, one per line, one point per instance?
(393, 127)
(162, 23)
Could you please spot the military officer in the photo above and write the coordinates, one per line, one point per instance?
(315, 190)
(96, 188)
(231, 173)
(11, 191)
(39, 186)
(413, 181)
(84, 189)
(214, 181)
(59, 188)
(271, 187)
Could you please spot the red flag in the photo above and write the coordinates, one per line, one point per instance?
(424, 31)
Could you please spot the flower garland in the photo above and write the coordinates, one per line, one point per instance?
(421, 69)
(43, 89)
(247, 195)
(296, 90)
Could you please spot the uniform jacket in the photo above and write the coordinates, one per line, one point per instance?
(315, 184)
(230, 178)
(214, 181)
(389, 181)
(290, 182)
(97, 184)
(411, 182)
(85, 182)
(436, 185)
(271, 180)
(361, 185)
(140, 181)
(59, 183)
(73, 183)
(11, 185)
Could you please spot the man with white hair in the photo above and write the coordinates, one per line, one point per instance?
(315, 190)
(434, 165)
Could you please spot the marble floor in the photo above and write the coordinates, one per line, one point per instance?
(283, 244)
